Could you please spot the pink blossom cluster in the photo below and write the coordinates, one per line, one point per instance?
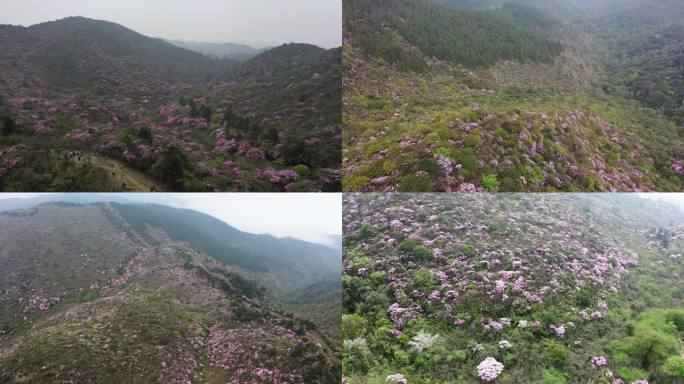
(598, 361)
(278, 176)
(558, 330)
(489, 369)
(400, 316)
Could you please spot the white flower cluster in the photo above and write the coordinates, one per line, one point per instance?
(397, 379)
(422, 341)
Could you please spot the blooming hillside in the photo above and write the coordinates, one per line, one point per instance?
(470, 100)
(91, 105)
(86, 297)
(509, 288)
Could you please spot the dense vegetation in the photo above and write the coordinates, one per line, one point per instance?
(91, 295)
(645, 52)
(418, 120)
(474, 38)
(534, 288)
(129, 112)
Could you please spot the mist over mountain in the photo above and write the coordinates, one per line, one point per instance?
(239, 52)
(163, 293)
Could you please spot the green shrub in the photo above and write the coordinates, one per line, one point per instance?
(632, 374)
(553, 376)
(673, 366)
(302, 170)
(413, 183)
(353, 326)
(555, 354)
(490, 183)
(445, 152)
(422, 253)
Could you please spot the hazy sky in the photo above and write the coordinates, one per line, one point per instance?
(676, 199)
(254, 22)
(307, 216)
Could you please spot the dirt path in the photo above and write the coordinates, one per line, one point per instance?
(134, 181)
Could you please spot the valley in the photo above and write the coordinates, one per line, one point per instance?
(523, 95)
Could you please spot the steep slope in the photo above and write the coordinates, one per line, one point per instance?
(559, 288)
(79, 89)
(426, 111)
(86, 298)
(296, 88)
(644, 52)
(283, 265)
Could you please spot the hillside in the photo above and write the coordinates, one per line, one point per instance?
(556, 288)
(507, 96)
(80, 97)
(105, 57)
(88, 295)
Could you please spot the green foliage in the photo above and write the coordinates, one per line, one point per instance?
(302, 170)
(422, 253)
(172, 167)
(673, 366)
(553, 376)
(490, 182)
(381, 45)
(473, 38)
(353, 326)
(445, 152)
(425, 279)
(555, 354)
(631, 374)
(586, 295)
(414, 183)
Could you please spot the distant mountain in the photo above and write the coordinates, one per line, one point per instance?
(297, 87)
(77, 52)
(284, 265)
(239, 52)
(150, 293)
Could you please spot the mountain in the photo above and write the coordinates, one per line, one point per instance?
(511, 96)
(95, 293)
(285, 265)
(297, 87)
(89, 105)
(77, 52)
(512, 288)
(239, 52)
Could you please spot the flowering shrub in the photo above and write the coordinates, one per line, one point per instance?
(397, 378)
(507, 274)
(489, 369)
(422, 341)
(598, 361)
